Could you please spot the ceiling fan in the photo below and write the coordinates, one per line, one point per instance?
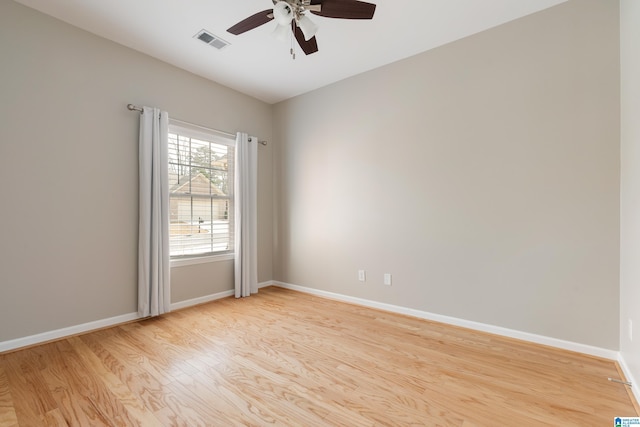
(291, 14)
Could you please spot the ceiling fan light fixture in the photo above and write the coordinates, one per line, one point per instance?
(281, 33)
(308, 27)
(283, 13)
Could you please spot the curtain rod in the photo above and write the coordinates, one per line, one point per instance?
(132, 107)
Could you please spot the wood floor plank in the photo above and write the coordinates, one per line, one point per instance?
(287, 358)
(195, 406)
(157, 396)
(133, 354)
(8, 415)
(30, 399)
(137, 412)
(80, 396)
(229, 407)
(138, 381)
(54, 418)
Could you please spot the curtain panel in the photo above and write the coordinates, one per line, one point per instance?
(154, 296)
(246, 218)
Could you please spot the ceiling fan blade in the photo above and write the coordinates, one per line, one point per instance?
(252, 22)
(308, 46)
(345, 9)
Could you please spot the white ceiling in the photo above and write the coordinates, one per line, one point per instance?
(260, 66)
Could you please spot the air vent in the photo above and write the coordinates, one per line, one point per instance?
(211, 39)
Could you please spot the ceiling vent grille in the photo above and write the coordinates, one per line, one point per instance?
(211, 39)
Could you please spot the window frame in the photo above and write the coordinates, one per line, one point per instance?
(182, 129)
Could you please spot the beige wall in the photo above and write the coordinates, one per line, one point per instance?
(630, 185)
(483, 175)
(67, 138)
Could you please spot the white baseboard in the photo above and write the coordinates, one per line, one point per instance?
(209, 298)
(212, 297)
(201, 300)
(539, 339)
(66, 332)
(265, 284)
(511, 333)
(105, 323)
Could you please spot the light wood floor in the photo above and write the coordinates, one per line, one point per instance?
(287, 358)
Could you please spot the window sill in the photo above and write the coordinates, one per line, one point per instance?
(200, 260)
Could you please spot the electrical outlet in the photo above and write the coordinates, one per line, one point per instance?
(362, 276)
(387, 279)
(630, 330)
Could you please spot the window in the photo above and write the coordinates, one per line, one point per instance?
(200, 192)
